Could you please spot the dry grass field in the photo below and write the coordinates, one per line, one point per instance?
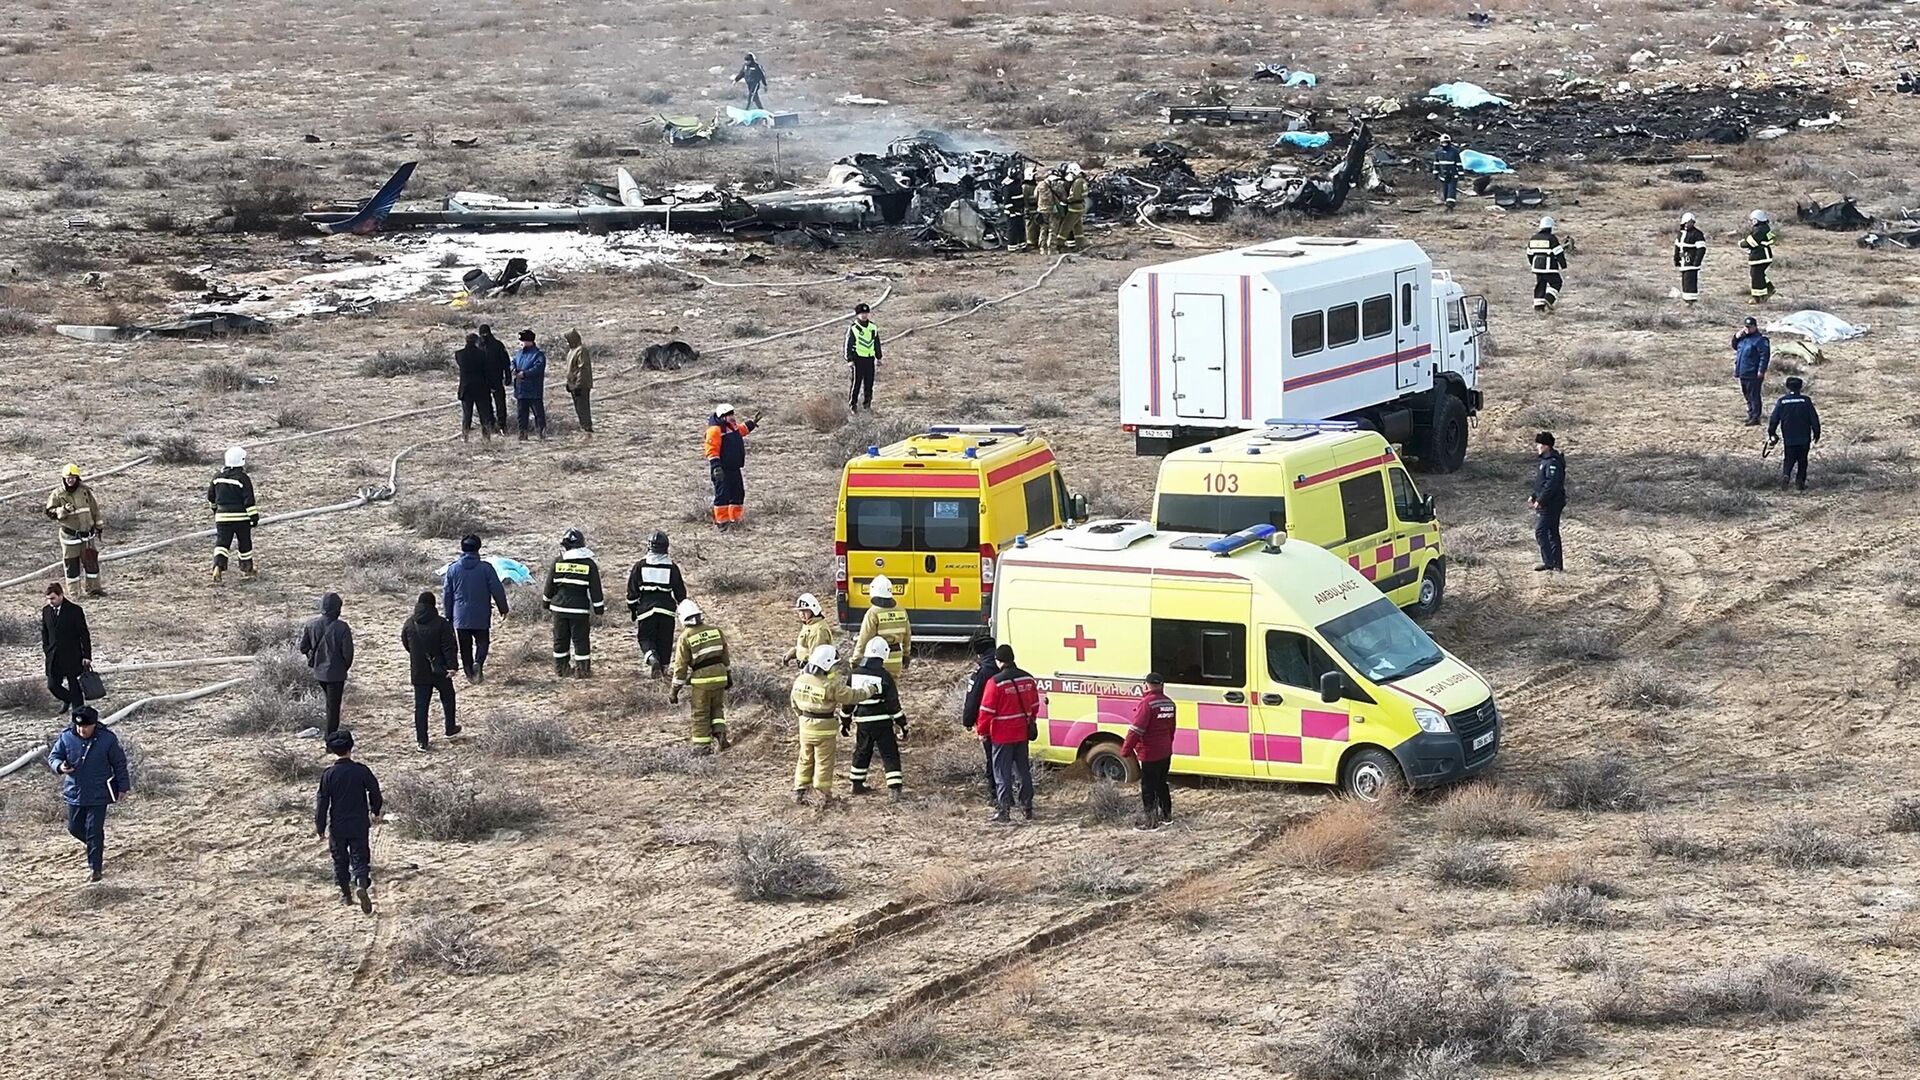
(1698, 856)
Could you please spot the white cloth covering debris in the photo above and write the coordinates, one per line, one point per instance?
(1465, 95)
(1817, 326)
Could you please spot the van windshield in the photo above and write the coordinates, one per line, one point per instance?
(1381, 641)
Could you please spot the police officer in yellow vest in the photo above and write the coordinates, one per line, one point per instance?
(863, 356)
(885, 619)
(819, 698)
(73, 506)
(574, 596)
(815, 630)
(700, 662)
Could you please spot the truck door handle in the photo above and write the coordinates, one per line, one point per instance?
(929, 564)
(1269, 699)
(1235, 696)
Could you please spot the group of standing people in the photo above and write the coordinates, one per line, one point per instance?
(487, 372)
(1046, 210)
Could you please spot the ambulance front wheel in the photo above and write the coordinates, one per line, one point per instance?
(1105, 763)
(1371, 774)
(1433, 589)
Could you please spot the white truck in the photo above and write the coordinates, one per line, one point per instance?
(1309, 328)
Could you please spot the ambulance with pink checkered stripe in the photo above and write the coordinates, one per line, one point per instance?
(1284, 662)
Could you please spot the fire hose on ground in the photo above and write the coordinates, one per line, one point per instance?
(34, 754)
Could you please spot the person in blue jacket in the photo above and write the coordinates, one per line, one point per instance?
(530, 386)
(1752, 352)
(88, 757)
(472, 590)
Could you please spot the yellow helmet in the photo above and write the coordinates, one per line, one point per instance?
(70, 470)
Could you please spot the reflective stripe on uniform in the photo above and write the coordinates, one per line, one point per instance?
(228, 480)
(875, 719)
(709, 680)
(569, 611)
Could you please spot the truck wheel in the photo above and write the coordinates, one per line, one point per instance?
(1447, 442)
(1371, 775)
(1105, 763)
(1433, 589)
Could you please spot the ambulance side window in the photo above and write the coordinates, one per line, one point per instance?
(878, 524)
(1039, 496)
(1343, 325)
(1296, 660)
(1376, 316)
(1196, 653)
(1363, 499)
(1407, 504)
(1309, 334)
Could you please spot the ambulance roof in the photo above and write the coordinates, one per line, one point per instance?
(1314, 583)
(1279, 444)
(1301, 261)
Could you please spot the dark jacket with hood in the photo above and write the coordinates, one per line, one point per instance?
(471, 362)
(473, 589)
(64, 638)
(431, 648)
(99, 774)
(327, 642)
(499, 367)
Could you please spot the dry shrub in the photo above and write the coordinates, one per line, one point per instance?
(1582, 644)
(222, 378)
(179, 449)
(758, 684)
(1782, 987)
(909, 1036)
(1570, 905)
(737, 577)
(147, 775)
(436, 515)
(822, 412)
(1347, 835)
(950, 883)
(97, 896)
(290, 764)
(1108, 804)
(448, 808)
(1904, 815)
(1046, 407)
(1604, 782)
(17, 629)
(1092, 874)
(1471, 865)
(450, 943)
(770, 864)
(852, 438)
(1677, 843)
(1194, 905)
(1436, 1017)
(1482, 810)
(1639, 684)
(1800, 843)
(1588, 954)
(957, 761)
(514, 736)
(280, 696)
(23, 693)
(1602, 356)
(256, 632)
(417, 360)
(387, 565)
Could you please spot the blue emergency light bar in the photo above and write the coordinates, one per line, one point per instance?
(1256, 534)
(977, 429)
(1316, 425)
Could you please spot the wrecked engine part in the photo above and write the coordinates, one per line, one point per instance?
(1168, 187)
(1837, 215)
(667, 356)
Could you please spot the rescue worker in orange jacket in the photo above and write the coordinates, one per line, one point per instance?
(726, 460)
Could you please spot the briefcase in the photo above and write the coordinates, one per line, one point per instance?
(91, 685)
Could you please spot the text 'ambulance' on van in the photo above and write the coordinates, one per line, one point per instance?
(1322, 481)
(1284, 663)
(932, 512)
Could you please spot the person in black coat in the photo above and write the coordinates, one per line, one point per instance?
(1796, 424)
(433, 654)
(1548, 500)
(475, 394)
(346, 806)
(68, 647)
(498, 374)
(984, 669)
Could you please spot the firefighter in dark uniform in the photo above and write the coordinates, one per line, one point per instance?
(575, 597)
(863, 356)
(1446, 170)
(1548, 260)
(1758, 244)
(701, 664)
(654, 590)
(1689, 255)
(1549, 499)
(1795, 423)
(876, 720)
(1015, 197)
(234, 514)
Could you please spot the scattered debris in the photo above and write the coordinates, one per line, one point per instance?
(1168, 186)
(1224, 115)
(1687, 176)
(478, 282)
(667, 356)
(1837, 214)
(1903, 232)
(857, 99)
(1817, 326)
(199, 324)
(1281, 74)
(1479, 18)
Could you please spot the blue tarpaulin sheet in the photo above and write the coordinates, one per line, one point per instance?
(746, 117)
(510, 571)
(1304, 140)
(1476, 162)
(1303, 78)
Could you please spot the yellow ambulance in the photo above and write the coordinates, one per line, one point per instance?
(932, 513)
(1283, 661)
(1327, 482)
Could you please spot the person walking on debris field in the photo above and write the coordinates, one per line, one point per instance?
(1549, 499)
(755, 77)
(1046, 211)
(815, 630)
(1758, 244)
(726, 465)
(1796, 424)
(1036, 215)
(863, 356)
(984, 667)
(472, 591)
(1752, 352)
(345, 808)
(73, 506)
(1009, 720)
(93, 768)
(1689, 255)
(327, 643)
(67, 645)
(818, 697)
(235, 514)
(884, 619)
(432, 656)
(1446, 170)
(476, 398)
(497, 374)
(654, 591)
(574, 596)
(1548, 260)
(530, 386)
(1150, 742)
(580, 381)
(1073, 206)
(877, 719)
(701, 663)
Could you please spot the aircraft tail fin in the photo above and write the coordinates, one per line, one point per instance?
(374, 213)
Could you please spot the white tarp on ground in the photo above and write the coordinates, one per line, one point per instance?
(1817, 326)
(1465, 95)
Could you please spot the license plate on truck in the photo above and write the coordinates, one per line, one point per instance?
(1483, 741)
(1156, 433)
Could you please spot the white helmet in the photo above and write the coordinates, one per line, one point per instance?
(1546, 223)
(806, 602)
(1073, 168)
(822, 657)
(1758, 216)
(722, 409)
(236, 456)
(688, 611)
(880, 586)
(879, 648)
(1688, 218)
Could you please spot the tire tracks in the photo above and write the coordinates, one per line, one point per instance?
(162, 1006)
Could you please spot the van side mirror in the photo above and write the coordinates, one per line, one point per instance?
(1426, 509)
(1076, 508)
(1333, 686)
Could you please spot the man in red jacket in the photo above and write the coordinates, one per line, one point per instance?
(1009, 720)
(1150, 742)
